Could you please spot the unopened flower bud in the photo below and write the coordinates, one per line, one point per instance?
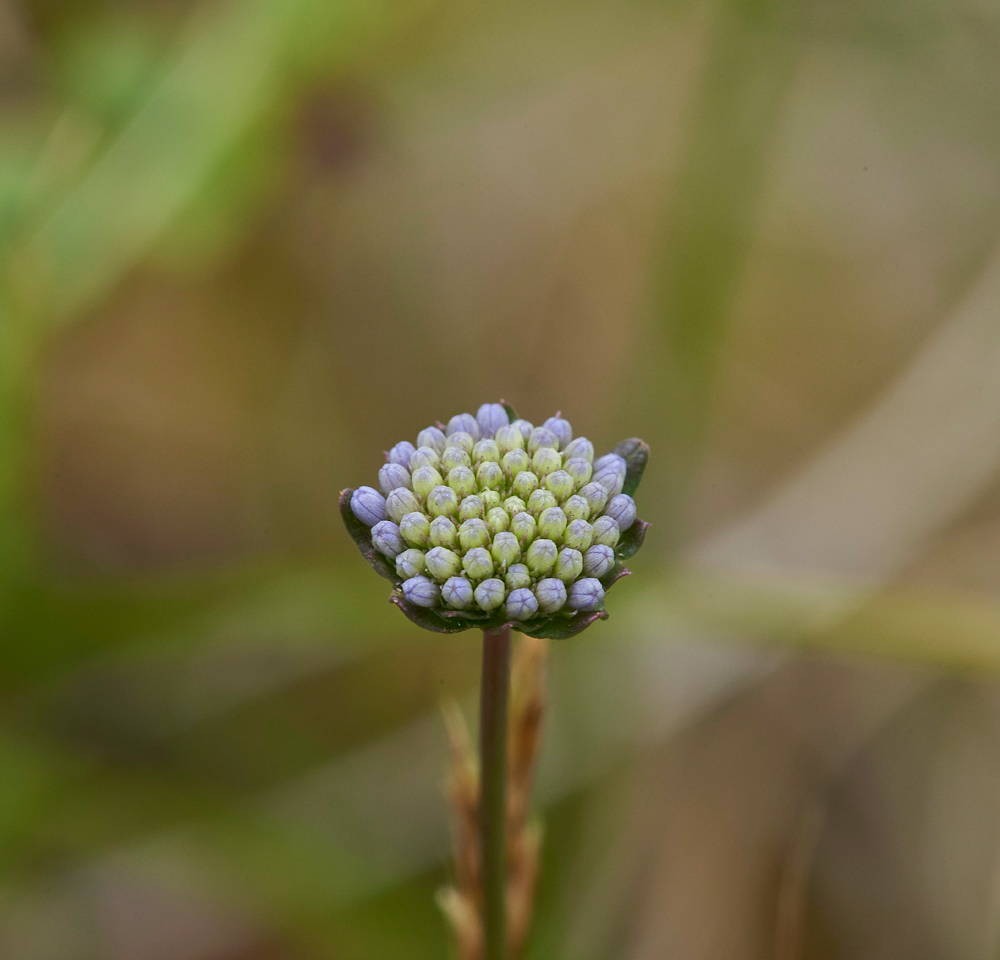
(432, 437)
(485, 450)
(401, 502)
(416, 530)
(491, 417)
(424, 480)
(552, 523)
(463, 441)
(443, 533)
(387, 539)
(521, 604)
(606, 531)
(596, 496)
(622, 508)
(457, 593)
(471, 508)
(580, 470)
(401, 453)
(541, 500)
(560, 484)
(489, 594)
(514, 506)
(579, 447)
(442, 502)
(368, 505)
(576, 508)
(515, 462)
(473, 533)
(478, 564)
(540, 557)
(509, 438)
(523, 526)
(490, 498)
(463, 481)
(525, 427)
(607, 460)
(569, 564)
(612, 481)
(505, 550)
(545, 461)
(490, 475)
(425, 457)
(586, 594)
(525, 484)
(455, 457)
(561, 428)
(421, 592)
(498, 520)
(464, 423)
(410, 563)
(598, 561)
(550, 594)
(517, 576)
(579, 535)
(542, 437)
(442, 563)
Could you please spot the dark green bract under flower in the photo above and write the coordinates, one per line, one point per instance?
(490, 521)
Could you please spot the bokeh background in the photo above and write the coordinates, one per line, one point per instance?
(247, 245)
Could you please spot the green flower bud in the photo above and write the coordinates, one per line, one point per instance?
(598, 561)
(569, 564)
(400, 454)
(431, 437)
(464, 423)
(489, 594)
(490, 498)
(410, 563)
(463, 481)
(392, 475)
(387, 540)
(541, 500)
(540, 557)
(579, 447)
(457, 593)
(517, 576)
(525, 427)
(542, 437)
(551, 523)
(579, 535)
(550, 594)
(498, 520)
(462, 440)
(425, 479)
(485, 450)
(586, 594)
(455, 457)
(521, 604)
(416, 530)
(401, 502)
(442, 502)
(580, 470)
(561, 428)
(478, 564)
(425, 457)
(509, 438)
(622, 508)
(471, 508)
(491, 417)
(523, 526)
(443, 533)
(490, 476)
(514, 506)
(596, 496)
(505, 550)
(606, 531)
(473, 533)
(576, 508)
(515, 462)
(442, 563)
(525, 484)
(545, 461)
(368, 505)
(560, 484)
(421, 592)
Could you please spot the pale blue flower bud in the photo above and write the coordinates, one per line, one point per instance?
(387, 539)
(542, 437)
(425, 457)
(424, 480)
(525, 484)
(580, 470)
(491, 417)
(515, 462)
(368, 505)
(442, 502)
(490, 498)
(550, 594)
(465, 423)
(525, 427)
(421, 592)
(521, 604)
(579, 535)
(598, 561)
(540, 557)
(561, 428)
(523, 526)
(545, 461)
(509, 438)
(560, 484)
(596, 496)
(432, 437)
(401, 453)
(622, 508)
(455, 457)
(552, 523)
(576, 508)
(463, 481)
(517, 576)
(457, 593)
(442, 563)
(607, 460)
(473, 533)
(471, 508)
(586, 594)
(541, 500)
(498, 520)
(410, 563)
(514, 506)
(443, 533)
(569, 564)
(401, 502)
(612, 482)
(490, 476)
(485, 450)
(416, 530)
(478, 564)
(606, 531)
(489, 594)
(505, 550)
(579, 447)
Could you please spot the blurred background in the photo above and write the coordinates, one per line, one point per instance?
(247, 245)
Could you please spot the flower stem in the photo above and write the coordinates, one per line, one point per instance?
(494, 696)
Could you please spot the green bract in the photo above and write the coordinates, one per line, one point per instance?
(542, 561)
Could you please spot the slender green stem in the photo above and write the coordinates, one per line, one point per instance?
(493, 810)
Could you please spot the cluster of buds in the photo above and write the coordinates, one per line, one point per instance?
(491, 520)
